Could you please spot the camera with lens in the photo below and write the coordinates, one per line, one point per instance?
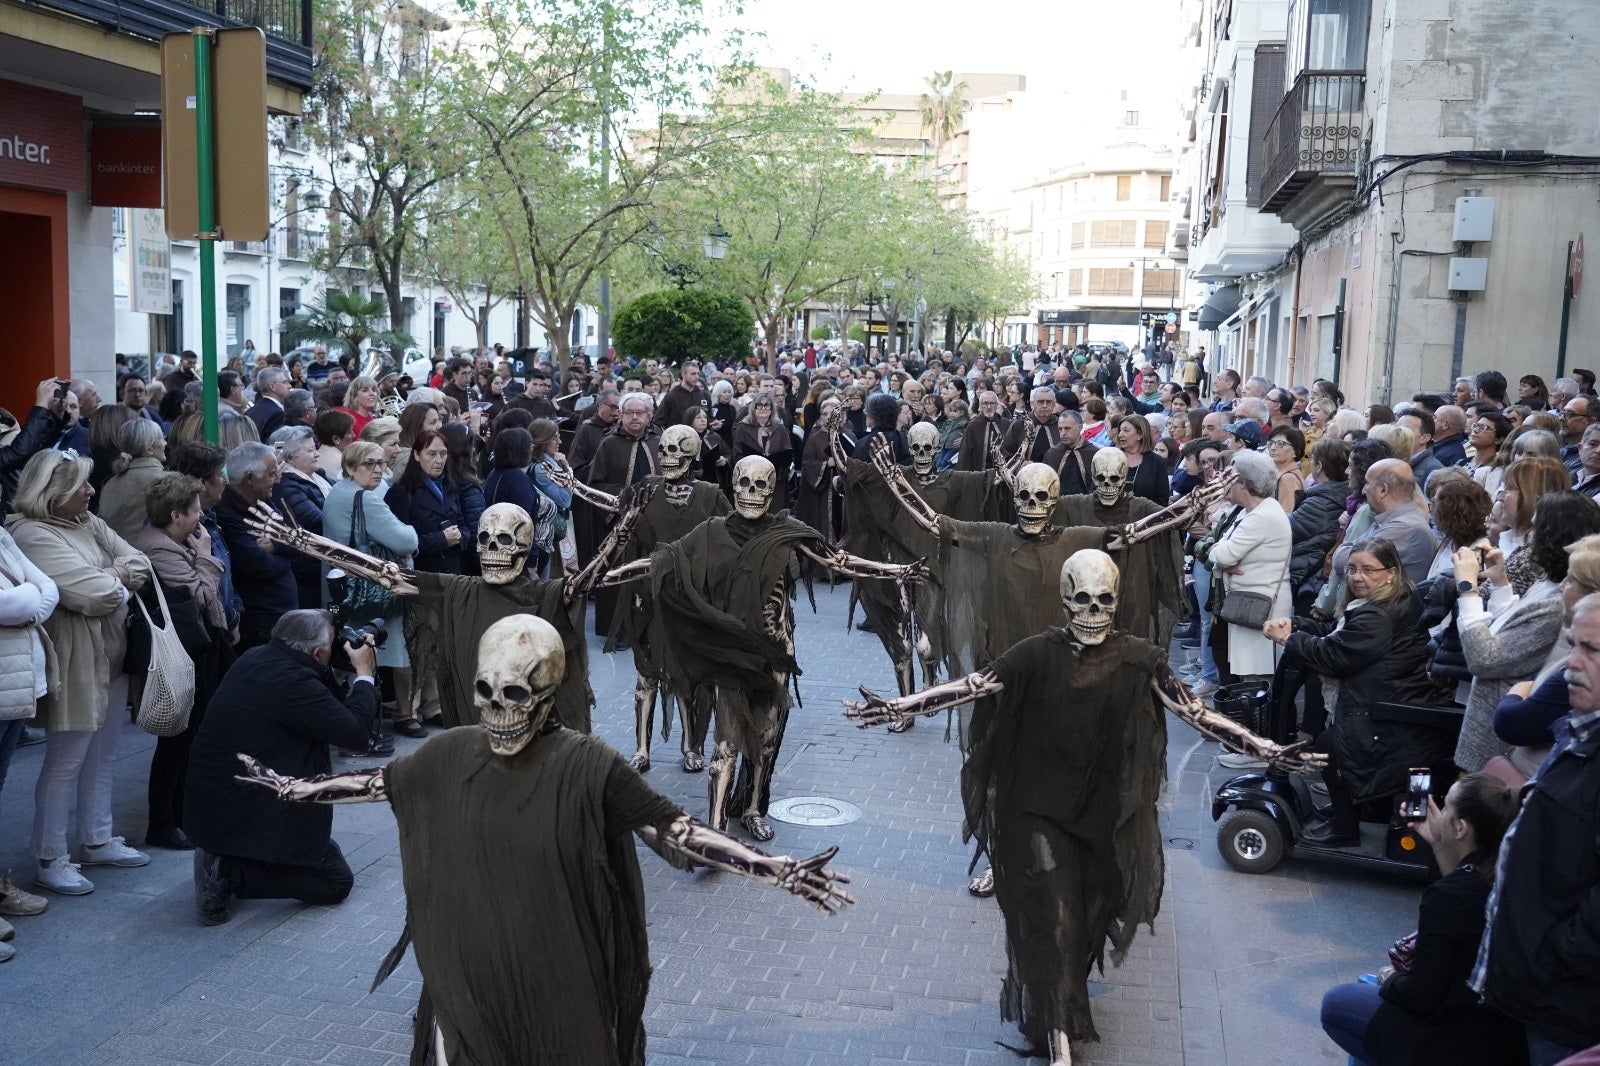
(355, 636)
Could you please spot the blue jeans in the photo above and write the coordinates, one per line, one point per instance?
(1202, 590)
(1347, 1012)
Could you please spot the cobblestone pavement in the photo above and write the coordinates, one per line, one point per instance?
(1233, 972)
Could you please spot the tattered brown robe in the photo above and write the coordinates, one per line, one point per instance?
(1151, 597)
(710, 589)
(450, 614)
(1060, 786)
(524, 902)
(879, 527)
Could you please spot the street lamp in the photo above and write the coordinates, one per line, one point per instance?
(715, 242)
(871, 300)
(521, 296)
(1148, 342)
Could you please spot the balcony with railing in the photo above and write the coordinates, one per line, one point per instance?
(1313, 145)
(287, 24)
(301, 244)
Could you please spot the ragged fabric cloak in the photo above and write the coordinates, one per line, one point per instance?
(711, 589)
(1060, 787)
(879, 527)
(448, 617)
(524, 902)
(1151, 598)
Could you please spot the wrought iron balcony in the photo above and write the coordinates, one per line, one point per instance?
(301, 244)
(287, 24)
(1313, 144)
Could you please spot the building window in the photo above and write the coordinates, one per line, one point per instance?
(1075, 281)
(1327, 35)
(236, 323)
(1077, 234)
(1113, 233)
(288, 302)
(1155, 234)
(1162, 284)
(1124, 186)
(1166, 187)
(1130, 118)
(1111, 281)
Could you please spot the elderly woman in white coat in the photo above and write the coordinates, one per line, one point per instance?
(96, 572)
(1253, 556)
(27, 674)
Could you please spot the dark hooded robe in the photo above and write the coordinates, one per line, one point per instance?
(661, 522)
(524, 902)
(710, 589)
(1002, 587)
(448, 617)
(1060, 787)
(1151, 597)
(879, 527)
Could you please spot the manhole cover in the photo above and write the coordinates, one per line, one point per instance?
(814, 810)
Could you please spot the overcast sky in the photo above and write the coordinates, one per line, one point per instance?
(893, 45)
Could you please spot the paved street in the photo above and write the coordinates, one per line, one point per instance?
(911, 974)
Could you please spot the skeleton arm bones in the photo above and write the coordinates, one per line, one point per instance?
(1171, 516)
(883, 459)
(266, 522)
(598, 573)
(362, 786)
(842, 562)
(873, 709)
(563, 476)
(1177, 698)
(809, 879)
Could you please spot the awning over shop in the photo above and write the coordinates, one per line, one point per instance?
(1218, 307)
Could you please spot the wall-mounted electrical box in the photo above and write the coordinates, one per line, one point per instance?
(1474, 218)
(1468, 275)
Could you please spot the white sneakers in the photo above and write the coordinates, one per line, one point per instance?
(1234, 760)
(114, 852)
(59, 875)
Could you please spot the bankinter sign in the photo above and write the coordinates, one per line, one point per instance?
(41, 138)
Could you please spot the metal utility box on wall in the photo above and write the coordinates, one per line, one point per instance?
(1474, 219)
(1468, 275)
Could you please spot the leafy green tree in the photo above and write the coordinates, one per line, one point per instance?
(673, 325)
(386, 80)
(347, 320)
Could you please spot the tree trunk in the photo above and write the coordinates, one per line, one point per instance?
(950, 330)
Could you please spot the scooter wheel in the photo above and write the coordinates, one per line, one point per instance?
(1250, 841)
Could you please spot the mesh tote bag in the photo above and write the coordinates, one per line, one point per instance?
(169, 691)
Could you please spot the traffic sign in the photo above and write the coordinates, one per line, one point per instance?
(1172, 327)
(240, 153)
(1171, 318)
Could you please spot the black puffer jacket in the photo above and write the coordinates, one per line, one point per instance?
(1438, 604)
(1314, 525)
(1379, 653)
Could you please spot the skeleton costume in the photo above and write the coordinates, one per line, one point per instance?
(1060, 783)
(1152, 571)
(676, 504)
(877, 527)
(524, 901)
(723, 596)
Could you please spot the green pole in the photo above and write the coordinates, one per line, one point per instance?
(206, 194)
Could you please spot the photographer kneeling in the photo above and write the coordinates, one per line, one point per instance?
(281, 704)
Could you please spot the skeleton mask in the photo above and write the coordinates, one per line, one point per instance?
(924, 441)
(1037, 490)
(505, 537)
(679, 447)
(1089, 581)
(1110, 475)
(520, 663)
(754, 482)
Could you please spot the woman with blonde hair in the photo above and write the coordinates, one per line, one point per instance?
(384, 432)
(144, 453)
(96, 572)
(1346, 420)
(1511, 521)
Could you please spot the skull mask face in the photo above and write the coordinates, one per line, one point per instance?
(754, 482)
(520, 664)
(505, 537)
(1110, 475)
(1089, 582)
(924, 442)
(1037, 490)
(680, 445)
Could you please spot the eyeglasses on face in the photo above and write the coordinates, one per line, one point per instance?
(369, 464)
(1370, 571)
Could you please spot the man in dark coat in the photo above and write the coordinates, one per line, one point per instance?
(272, 385)
(44, 425)
(586, 528)
(985, 430)
(625, 456)
(1073, 457)
(280, 705)
(1042, 411)
(685, 394)
(263, 574)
